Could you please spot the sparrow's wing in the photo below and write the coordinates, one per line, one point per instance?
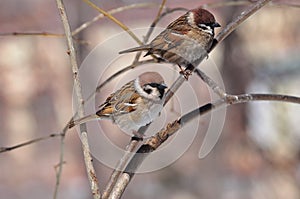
(166, 41)
(128, 103)
(173, 35)
(121, 102)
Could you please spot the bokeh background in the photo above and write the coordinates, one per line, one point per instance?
(257, 155)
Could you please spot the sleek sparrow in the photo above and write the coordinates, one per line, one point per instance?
(185, 41)
(134, 105)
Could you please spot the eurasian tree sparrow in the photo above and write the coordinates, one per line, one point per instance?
(185, 41)
(134, 105)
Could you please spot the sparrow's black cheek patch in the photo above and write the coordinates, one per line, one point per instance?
(161, 92)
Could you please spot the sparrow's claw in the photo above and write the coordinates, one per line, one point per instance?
(186, 73)
(183, 72)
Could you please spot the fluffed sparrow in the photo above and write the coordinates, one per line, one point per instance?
(185, 41)
(134, 105)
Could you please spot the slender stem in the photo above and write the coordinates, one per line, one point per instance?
(112, 11)
(239, 20)
(211, 83)
(10, 148)
(60, 165)
(119, 169)
(45, 34)
(119, 23)
(236, 99)
(85, 146)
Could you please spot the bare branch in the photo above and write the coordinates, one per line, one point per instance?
(237, 99)
(86, 151)
(112, 11)
(226, 3)
(6, 149)
(286, 3)
(239, 20)
(123, 26)
(211, 83)
(60, 165)
(119, 169)
(45, 34)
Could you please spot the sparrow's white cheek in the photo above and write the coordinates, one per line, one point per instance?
(155, 95)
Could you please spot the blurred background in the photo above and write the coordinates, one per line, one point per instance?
(257, 155)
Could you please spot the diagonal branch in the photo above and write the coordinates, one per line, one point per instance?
(119, 23)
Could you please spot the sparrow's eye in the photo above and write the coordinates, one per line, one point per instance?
(148, 90)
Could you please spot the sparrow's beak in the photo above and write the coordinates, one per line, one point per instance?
(216, 24)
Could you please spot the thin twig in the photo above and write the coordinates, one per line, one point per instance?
(226, 3)
(237, 99)
(42, 34)
(120, 168)
(61, 161)
(84, 25)
(239, 20)
(60, 165)
(86, 151)
(146, 38)
(119, 23)
(45, 34)
(287, 4)
(211, 83)
(112, 11)
(10, 148)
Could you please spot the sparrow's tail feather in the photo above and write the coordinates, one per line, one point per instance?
(84, 120)
(135, 49)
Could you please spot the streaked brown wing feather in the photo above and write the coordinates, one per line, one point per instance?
(179, 25)
(128, 103)
(167, 40)
(108, 110)
(122, 101)
(162, 43)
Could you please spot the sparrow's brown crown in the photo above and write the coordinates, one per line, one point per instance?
(202, 16)
(150, 77)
